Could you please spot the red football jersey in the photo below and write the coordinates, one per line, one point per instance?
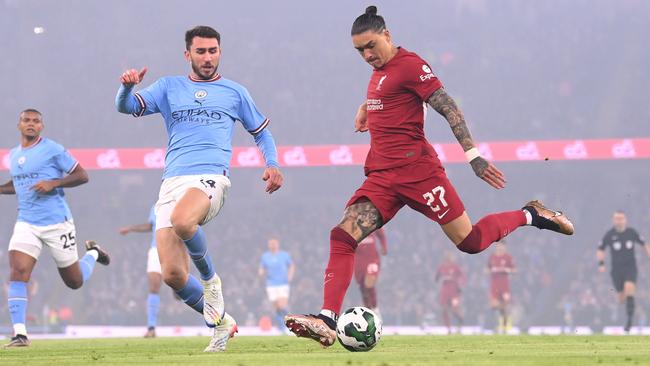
(396, 108)
(450, 274)
(367, 248)
(500, 265)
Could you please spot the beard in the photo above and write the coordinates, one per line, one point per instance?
(203, 74)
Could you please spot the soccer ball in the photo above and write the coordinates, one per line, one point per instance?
(358, 329)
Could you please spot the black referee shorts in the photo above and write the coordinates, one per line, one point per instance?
(622, 275)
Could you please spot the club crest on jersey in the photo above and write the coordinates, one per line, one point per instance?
(381, 80)
(200, 94)
(21, 161)
(428, 74)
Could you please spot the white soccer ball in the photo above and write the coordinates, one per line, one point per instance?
(358, 329)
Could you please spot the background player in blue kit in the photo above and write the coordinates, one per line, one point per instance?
(154, 275)
(278, 268)
(199, 111)
(40, 169)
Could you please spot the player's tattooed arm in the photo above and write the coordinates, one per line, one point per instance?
(360, 220)
(444, 104)
(7, 188)
(447, 107)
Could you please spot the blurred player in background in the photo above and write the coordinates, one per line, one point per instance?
(402, 168)
(40, 169)
(452, 280)
(154, 276)
(621, 239)
(367, 264)
(278, 269)
(200, 111)
(501, 266)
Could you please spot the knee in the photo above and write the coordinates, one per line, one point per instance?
(74, 283)
(174, 276)
(20, 273)
(183, 227)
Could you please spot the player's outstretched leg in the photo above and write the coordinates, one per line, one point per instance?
(495, 227)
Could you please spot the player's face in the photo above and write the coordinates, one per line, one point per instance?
(620, 221)
(30, 125)
(274, 245)
(500, 249)
(375, 48)
(204, 55)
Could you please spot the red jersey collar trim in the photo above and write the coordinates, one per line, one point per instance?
(40, 138)
(215, 78)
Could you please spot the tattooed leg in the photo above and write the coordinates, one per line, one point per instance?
(360, 220)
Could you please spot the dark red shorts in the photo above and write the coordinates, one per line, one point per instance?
(499, 288)
(448, 292)
(422, 185)
(364, 267)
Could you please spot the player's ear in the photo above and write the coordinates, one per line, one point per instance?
(387, 35)
(187, 55)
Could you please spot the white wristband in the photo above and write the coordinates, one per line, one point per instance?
(472, 154)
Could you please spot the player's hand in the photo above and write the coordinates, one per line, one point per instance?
(132, 76)
(45, 186)
(488, 172)
(360, 120)
(124, 230)
(273, 179)
(602, 269)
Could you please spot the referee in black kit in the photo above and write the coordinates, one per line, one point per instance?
(621, 239)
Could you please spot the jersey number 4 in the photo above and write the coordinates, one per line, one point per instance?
(439, 191)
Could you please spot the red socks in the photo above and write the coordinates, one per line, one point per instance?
(339, 269)
(491, 228)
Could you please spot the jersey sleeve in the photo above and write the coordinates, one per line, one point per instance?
(637, 238)
(604, 242)
(419, 78)
(252, 119)
(150, 98)
(65, 162)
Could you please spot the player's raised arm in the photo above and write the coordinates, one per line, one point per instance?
(77, 176)
(126, 101)
(447, 107)
(7, 188)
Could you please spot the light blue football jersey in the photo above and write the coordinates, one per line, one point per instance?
(45, 160)
(152, 221)
(199, 116)
(276, 267)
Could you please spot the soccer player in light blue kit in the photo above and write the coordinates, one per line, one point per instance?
(278, 268)
(200, 111)
(154, 273)
(40, 169)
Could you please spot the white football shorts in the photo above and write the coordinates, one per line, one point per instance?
(153, 262)
(215, 186)
(277, 292)
(60, 238)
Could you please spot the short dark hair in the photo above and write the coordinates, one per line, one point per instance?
(368, 21)
(202, 31)
(31, 110)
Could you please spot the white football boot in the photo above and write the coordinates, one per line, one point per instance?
(222, 333)
(213, 306)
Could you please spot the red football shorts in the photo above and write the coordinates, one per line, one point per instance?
(422, 185)
(499, 288)
(364, 268)
(448, 292)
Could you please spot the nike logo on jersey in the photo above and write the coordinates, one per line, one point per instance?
(440, 216)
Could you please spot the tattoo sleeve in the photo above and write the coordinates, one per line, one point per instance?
(361, 219)
(446, 106)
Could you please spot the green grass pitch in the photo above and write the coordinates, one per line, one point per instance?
(392, 350)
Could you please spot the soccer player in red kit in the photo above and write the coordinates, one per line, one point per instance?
(367, 264)
(402, 168)
(453, 279)
(501, 266)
